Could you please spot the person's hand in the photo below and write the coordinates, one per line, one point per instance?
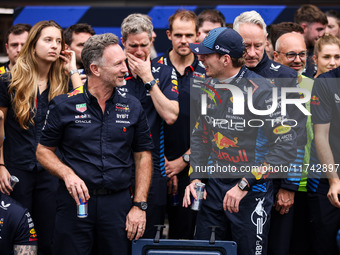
(190, 190)
(140, 67)
(233, 198)
(173, 185)
(77, 188)
(135, 223)
(174, 167)
(333, 193)
(69, 57)
(284, 200)
(5, 186)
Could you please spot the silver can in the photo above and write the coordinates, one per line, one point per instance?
(13, 180)
(197, 203)
(82, 209)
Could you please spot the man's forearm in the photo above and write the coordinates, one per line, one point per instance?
(143, 163)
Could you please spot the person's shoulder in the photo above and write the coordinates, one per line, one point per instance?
(10, 205)
(73, 95)
(157, 66)
(282, 70)
(335, 73)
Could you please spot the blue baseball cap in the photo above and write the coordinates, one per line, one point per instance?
(222, 40)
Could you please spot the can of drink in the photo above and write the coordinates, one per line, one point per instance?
(81, 71)
(82, 209)
(197, 203)
(13, 180)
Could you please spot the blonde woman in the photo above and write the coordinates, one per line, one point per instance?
(41, 72)
(326, 53)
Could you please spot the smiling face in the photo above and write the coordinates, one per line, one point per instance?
(183, 32)
(48, 46)
(138, 45)
(113, 67)
(289, 44)
(328, 58)
(255, 41)
(213, 64)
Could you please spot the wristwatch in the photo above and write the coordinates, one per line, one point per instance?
(149, 85)
(73, 72)
(141, 205)
(243, 185)
(186, 158)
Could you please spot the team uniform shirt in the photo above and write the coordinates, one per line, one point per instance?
(167, 82)
(325, 106)
(16, 225)
(229, 139)
(97, 146)
(20, 144)
(282, 76)
(4, 68)
(177, 136)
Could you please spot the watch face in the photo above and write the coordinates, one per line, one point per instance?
(144, 206)
(147, 85)
(186, 158)
(242, 184)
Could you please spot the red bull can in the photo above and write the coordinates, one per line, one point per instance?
(13, 180)
(197, 203)
(82, 209)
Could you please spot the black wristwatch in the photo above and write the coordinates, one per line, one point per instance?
(186, 158)
(149, 85)
(141, 205)
(243, 185)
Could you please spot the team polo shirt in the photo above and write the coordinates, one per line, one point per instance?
(177, 136)
(167, 82)
(325, 107)
(20, 144)
(16, 225)
(97, 146)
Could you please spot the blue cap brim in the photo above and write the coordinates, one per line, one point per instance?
(199, 48)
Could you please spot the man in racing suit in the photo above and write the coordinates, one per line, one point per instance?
(238, 198)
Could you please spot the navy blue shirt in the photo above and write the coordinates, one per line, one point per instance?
(325, 107)
(16, 225)
(20, 144)
(98, 147)
(177, 136)
(167, 82)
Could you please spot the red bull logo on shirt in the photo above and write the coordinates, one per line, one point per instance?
(33, 236)
(224, 142)
(77, 91)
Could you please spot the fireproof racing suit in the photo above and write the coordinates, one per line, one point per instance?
(231, 141)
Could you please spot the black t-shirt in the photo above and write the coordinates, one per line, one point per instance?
(16, 225)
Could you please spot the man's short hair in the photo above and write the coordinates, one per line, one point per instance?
(212, 15)
(94, 48)
(183, 15)
(326, 39)
(18, 29)
(251, 17)
(77, 28)
(136, 23)
(334, 14)
(309, 13)
(276, 30)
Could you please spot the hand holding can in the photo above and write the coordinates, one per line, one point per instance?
(197, 203)
(13, 180)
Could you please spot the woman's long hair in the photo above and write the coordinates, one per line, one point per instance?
(24, 83)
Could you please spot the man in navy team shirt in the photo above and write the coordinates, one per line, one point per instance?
(102, 134)
(183, 29)
(156, 87)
